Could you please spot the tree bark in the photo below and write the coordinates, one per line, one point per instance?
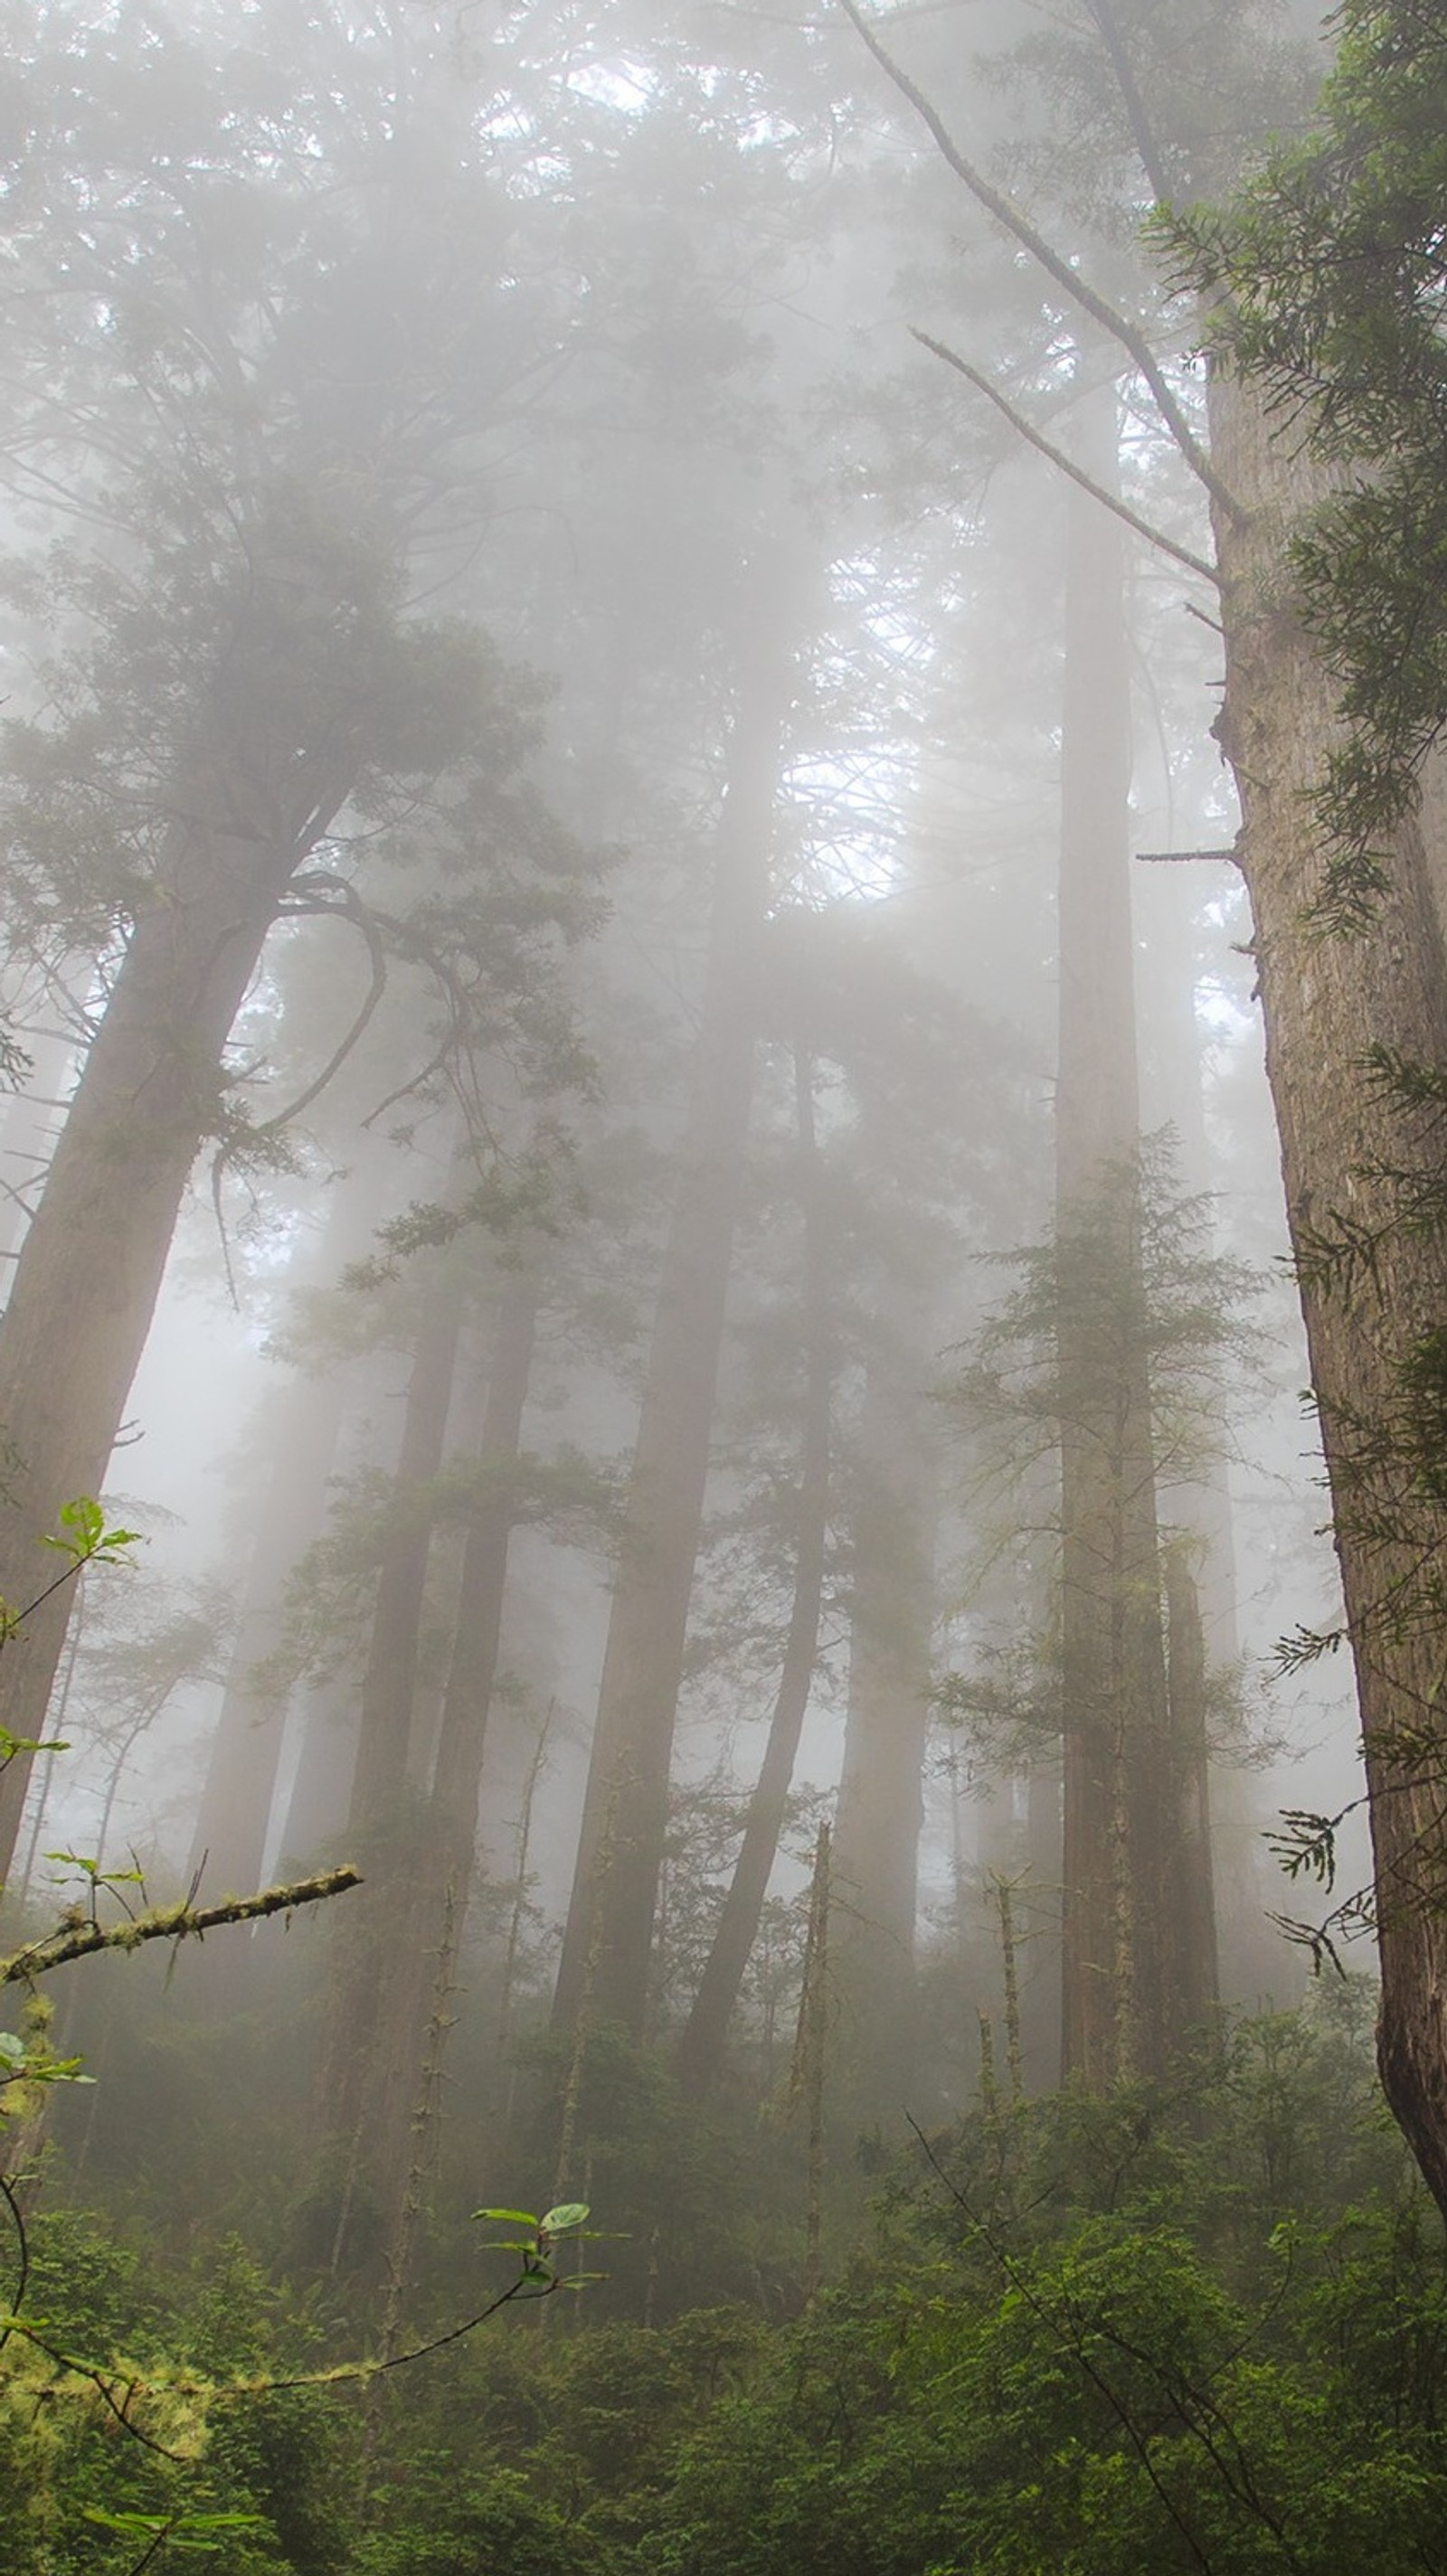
(701, 2048)
(1326, 1000)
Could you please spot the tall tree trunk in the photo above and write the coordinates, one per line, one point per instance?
(881, 1800)
(1192, 1896)
(235, 1810)
(1327, 1000)
(1117, 2004)
(409, 2052)
(90, 1269)
(701, 2048)
(390, 1680)
(610, 1918)
(355, 2074)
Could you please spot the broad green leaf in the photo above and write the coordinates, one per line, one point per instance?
(523, 2217)
(569, 2213)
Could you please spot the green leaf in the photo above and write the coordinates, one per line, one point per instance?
(524, 2217)
(569, 2213)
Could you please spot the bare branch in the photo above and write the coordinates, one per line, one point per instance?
(1118, 325)
(1036, 438)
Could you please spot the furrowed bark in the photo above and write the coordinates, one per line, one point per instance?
(1328, 999)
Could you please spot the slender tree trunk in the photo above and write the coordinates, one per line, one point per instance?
(1327, 1000)
(235, 1810)
(1117, 2004)
(881, 1802)
(1198, 1983)
(422, 1912)
(701, 2049)
(359, 2073)
(610, 1918)
(472, 1673)
(390, 1680)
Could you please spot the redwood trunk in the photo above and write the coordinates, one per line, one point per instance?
(1326, 1001)
(264, 779)
(90, 1270)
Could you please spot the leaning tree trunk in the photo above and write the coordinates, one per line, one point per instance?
(1327, 1001)
(250, 807)
(607, 1945)
(701, 2048)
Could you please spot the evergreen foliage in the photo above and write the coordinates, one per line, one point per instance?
(1329, 280)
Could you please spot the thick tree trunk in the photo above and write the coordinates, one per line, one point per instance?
(90, 1270)
(1327, 1000)
(268, 770)
(701, 2048)
(608, 1942)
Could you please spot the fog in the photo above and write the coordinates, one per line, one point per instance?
(620, 893)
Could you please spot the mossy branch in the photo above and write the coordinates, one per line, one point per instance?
(180, 1922)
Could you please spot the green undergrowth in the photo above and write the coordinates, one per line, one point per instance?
(1198, 2328)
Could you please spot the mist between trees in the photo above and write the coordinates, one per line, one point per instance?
(720, 740)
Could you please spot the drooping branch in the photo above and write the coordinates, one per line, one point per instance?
(349, 908)
(1046, 447)
(1117, 325)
